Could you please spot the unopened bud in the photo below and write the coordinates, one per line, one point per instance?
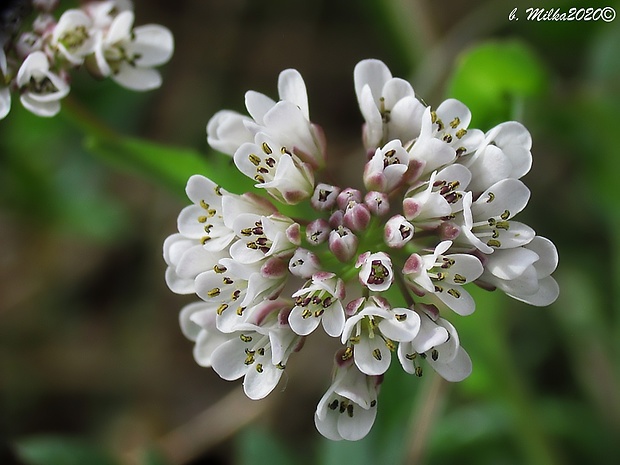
(324, 197)
(303, 263)
(398, 231)
(356, 216)
(343, 243)
(317, 231)
(377, 203)
(347, 196)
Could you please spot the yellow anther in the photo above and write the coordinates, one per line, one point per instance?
(266, 148)
(214, 292)
(460, 133)
(254, 159)
(454, 293)
(221, 308)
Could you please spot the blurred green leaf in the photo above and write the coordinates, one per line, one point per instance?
(346, 452)
(493, 77)
(258, 446)
(50, 450)
(171, 166)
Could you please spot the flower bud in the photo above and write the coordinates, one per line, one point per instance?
(398, 231)
(348, 195)
(324, 197)
(343, 243)
(377, 203)
(356, 216)
(304, 263)
(318, 231)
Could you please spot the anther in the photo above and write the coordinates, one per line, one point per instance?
(254, 159)
(221, 308)
(454, 293)
(214, 292)
(266, 148)
(377, 354)
(459, 279)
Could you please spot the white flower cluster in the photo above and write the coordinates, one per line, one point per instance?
(438, 213)
(98, 36)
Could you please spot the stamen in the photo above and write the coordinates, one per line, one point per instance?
(266, 148)
(214, 292)
(254, 159)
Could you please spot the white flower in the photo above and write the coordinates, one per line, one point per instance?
(197, 321)
(375, 271)
(524, 272)
(104, 12)
(387, 168)
(449, 123)
(287, 121)
(319, 301)
(257, 350)
(505, 153)
(303, 263)
(72, 36)
(443, 276)
(438, 343)
(277, 170)
(429, 204)
(228, 130)
(5, 93)
(371, 332)
(128, 56)
(41, 89)
(204, 219)
(237, 287)
(186, 259)
(349, 407)
(261, 237)
(487, 223)
(388, 104)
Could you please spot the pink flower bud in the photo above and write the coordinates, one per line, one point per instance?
(324, 197)
(347, 196)
(318, 231)
(377, 203)
(343, 243)
(356, 216)
(304, 263)
(398, 231)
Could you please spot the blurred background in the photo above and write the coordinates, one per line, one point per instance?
(93, 366)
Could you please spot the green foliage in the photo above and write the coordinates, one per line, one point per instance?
(51, 450)
(492, 78)
(169, 166)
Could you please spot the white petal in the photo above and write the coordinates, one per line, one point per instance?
(547, 293)
(228, 359)
(394, 90)
(507, 194)
(292, 87)
(258, 385)
(188, 327)
(300, 325)
(510, 263)
(358, 426)
(547, 253)
(139, 79)
(5, 102)
(258, 105)
(333, 320)
(465, 265)
(326, 421)
(372, 73)
(372, 116)
(515, 140)
(404, 327)
(226, 131)
(120, 29)
(464, 304)
(364, 359)
(45, 109)
(518, 234)
(450, 109)
(489, 166)
(457, 369)
(153, 43)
